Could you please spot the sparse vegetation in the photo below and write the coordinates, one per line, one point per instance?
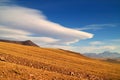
(19, 62)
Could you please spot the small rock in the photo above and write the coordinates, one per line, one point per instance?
(72, 73)
(2, 59)
(32, 76)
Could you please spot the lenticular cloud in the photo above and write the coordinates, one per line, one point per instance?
(32, 24)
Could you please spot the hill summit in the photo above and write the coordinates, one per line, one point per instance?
(27, 42)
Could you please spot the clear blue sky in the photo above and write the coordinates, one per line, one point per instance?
(99, 17)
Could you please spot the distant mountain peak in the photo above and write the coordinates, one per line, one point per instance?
(27, 42)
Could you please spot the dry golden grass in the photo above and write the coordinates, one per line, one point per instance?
(52, 64)
(11, 71)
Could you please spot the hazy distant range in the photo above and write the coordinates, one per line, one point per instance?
(106, 54)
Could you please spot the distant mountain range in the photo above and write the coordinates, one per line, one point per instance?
(27, 42)
(106, 54)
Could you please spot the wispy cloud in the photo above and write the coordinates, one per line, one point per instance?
(96, 26)
(99, 46)
(115, 40)
(96, 43)
(21, 23)
(5, 2)
(97, 49)
(87, 49)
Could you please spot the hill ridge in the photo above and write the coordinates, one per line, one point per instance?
(26, 42)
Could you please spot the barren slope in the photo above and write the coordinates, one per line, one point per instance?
(24, 62)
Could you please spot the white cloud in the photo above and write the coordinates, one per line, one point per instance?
(21, 23)
(96, 26)
(7, 31)
(14, 34)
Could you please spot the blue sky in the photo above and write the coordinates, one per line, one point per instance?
(80, 12)
(96, 17)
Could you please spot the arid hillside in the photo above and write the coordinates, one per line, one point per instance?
(20, 62)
